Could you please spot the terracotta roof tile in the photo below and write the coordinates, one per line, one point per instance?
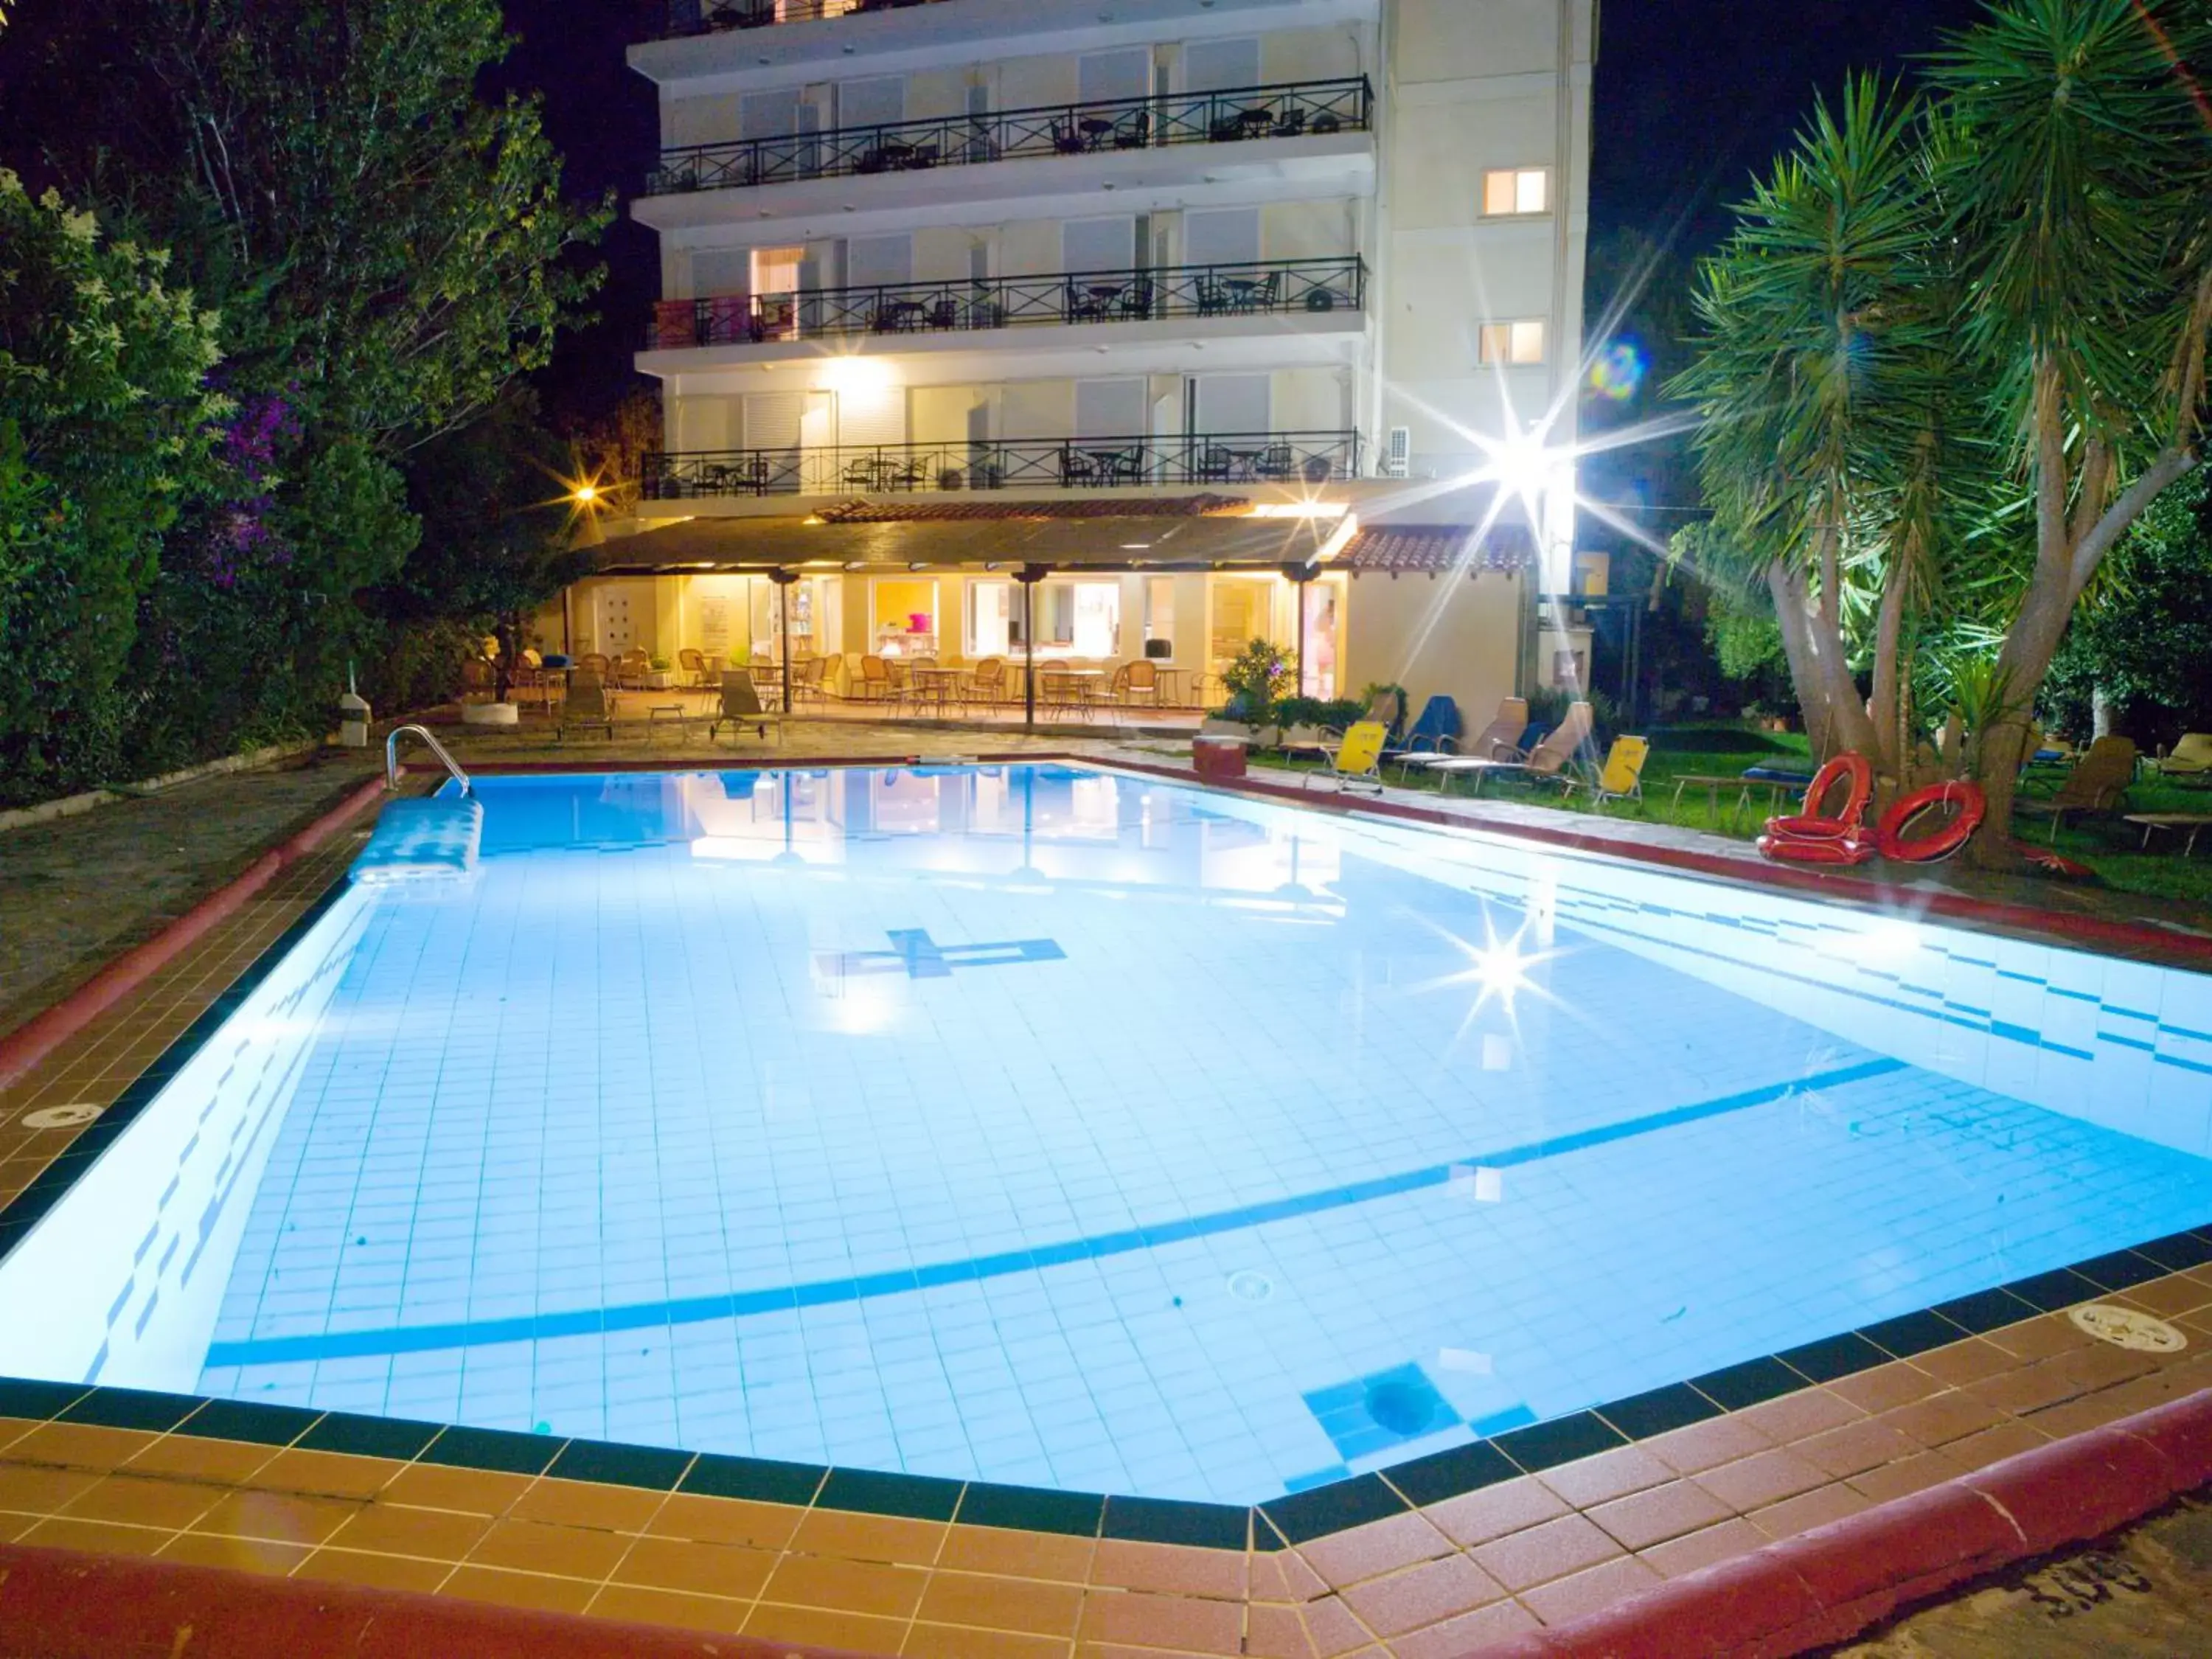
(1434, 548)
(1112, 507)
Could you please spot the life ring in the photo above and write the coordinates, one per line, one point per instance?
(1889, 835)
(1840, 849)
(1810, 823)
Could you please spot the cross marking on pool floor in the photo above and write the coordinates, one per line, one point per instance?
(922, 958)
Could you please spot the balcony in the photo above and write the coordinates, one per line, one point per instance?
(1290, 110)
(1256, 289)
(1310, 457)
(686, 18)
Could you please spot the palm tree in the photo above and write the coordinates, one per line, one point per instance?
(2076, 171)
(1827, 373)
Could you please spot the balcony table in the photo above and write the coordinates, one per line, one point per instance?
(1094, 129)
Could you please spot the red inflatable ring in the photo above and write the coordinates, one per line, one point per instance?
(1907, 810)
(1811, 823)
(1837, 849)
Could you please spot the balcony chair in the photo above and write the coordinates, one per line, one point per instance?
(1066, 140)
(1137, 302)
(1214, 464)
(1212, 298)
(1274, 462)
(943, 314)
(1289, 124)
(1134, 131)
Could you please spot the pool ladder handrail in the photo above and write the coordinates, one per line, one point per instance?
(391, 757)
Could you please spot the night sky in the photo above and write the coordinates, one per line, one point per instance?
(1692, 96)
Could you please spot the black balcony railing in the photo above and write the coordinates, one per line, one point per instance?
(1005, 464)
(688, 17)
(1292, 109)
(1259, 288)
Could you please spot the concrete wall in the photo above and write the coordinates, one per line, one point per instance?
(1459, 636)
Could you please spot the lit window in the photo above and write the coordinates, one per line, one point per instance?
(1518, 342)
(1516, 190)
(776, 269)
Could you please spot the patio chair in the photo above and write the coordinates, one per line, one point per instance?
(2098, 784)
(691, 663)
(1621, 777)
(1547, 761)
(2190, 758)
(589, 704)
(1134, 131)
(631, 668)
(1138, 682)
(876, 683)
(1137, 301)
(1355, 760)
(986, 684)
(741, 706)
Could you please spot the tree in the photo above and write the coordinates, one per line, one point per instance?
(496, 527)
(105, 434)
(2140, 639)
(388, 252)
(2077, 174)
(1823, 377)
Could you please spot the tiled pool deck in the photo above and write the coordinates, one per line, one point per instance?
(1433, 1559)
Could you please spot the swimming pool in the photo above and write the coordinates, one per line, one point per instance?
(1063, 1128)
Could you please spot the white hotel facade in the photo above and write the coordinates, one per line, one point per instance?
(1286, 274)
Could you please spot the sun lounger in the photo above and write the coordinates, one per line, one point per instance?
(741, 706)
(1621, 777)
(2098, 784)
(1548, 760)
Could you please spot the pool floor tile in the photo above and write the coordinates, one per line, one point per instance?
(255, 1555)
(869, 1537)
(281, 1516)
(1595, 1480)
(398, 1529)
(1186, 1623)
(534, 1547)
(730, 1572)
(927, 1641)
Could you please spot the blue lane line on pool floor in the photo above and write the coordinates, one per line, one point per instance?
(699, 1309)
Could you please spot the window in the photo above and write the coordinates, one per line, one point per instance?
(1080, 618)
(776, 269)
(1513, 343)
(1516, 190)
(1159, 613)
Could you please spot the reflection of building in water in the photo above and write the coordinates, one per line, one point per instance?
(1049, 823)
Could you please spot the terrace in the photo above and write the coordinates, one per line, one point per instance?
(1067, 463)
(1253, 289)
(1286, 110)
(686, 18)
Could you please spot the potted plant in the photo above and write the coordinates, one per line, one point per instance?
(658, 676)
(1255, 681)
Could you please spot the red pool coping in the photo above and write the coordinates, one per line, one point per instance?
(1829, 1584)
(30, 1043)
(58, 1604)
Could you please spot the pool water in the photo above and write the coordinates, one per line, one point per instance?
(1060, 1129)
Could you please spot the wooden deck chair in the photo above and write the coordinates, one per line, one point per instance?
(2097, 784)
(1621, 777)
(741, 706)
(1355, 760)
(588, 704)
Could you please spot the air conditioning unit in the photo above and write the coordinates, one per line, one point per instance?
(1398, 454)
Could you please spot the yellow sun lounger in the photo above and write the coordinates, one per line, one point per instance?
(1355, 761)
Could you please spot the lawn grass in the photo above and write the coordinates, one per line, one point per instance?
(2105, 844)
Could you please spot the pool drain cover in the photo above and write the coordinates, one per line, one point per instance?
(61, 1117)
(2124, 1328)
(1249, 1286)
